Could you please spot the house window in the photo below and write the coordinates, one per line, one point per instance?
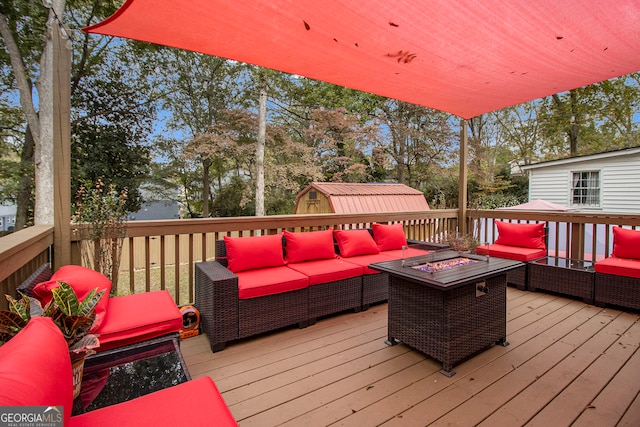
(585, 189)
(313, 195)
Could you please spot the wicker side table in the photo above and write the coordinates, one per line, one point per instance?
(564, 276)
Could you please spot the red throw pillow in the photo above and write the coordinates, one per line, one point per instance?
(522, 235)
(389, 237)
(83, 280)
(250, 253)
(626, 243)
(355, 242)
(308, 246)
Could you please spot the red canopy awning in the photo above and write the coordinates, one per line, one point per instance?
(466, 57)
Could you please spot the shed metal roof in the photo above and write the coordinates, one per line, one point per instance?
(363, 198)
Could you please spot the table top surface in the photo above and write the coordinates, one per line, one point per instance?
(481, 268)
(118, 376)
(569, 263)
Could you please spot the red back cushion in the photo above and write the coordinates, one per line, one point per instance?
(83, 280)
(355, 242)
(389, 237)
(35, 368)
(626, 243)
(522, 235)
(309, 246)
(250, 253)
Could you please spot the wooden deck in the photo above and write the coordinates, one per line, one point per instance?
(569, 363)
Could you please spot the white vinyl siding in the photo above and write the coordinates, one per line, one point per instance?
(619, 181)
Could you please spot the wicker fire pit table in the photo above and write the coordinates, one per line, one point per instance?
(448, 305)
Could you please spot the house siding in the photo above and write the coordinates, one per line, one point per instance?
(619, 181)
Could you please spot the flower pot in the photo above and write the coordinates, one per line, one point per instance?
(77, 368)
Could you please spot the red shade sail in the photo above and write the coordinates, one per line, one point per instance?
(465, 57)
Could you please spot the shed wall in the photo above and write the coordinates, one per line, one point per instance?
(320, 205)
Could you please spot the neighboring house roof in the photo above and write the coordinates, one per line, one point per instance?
(158, 209)
(583, 158)
(361, 198)
(7, 210)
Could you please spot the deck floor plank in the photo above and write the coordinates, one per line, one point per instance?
(597, 359)
(569, 363)
(468, 401)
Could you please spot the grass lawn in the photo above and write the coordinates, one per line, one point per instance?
(140, 281)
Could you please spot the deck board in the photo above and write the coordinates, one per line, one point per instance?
(568, 363)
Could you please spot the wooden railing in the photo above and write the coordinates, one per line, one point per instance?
(20, 254)
(162, 254)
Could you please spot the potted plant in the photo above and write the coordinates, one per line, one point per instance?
(462, 243)
(74, 318)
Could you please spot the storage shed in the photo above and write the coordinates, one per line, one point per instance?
(338, 197)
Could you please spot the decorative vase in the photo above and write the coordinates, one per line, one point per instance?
(77, 368)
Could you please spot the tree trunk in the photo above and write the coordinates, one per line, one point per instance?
(260, 143)
(206, 185)
(44, 159)
(25, 194)
(574, 125)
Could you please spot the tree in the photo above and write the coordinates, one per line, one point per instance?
(417, 138)
(591, 119)
(14, 28)
(340, 141)
(260, 143)
(519, 131)
(112, 118)
(197, 88)
(100, 69)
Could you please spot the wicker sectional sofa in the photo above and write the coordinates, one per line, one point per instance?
(263, 283)
(519, 242)
(617, 278)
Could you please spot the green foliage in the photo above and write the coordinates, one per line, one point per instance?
(102, 206)
(99, 222)
(233, 199)
(74, 318)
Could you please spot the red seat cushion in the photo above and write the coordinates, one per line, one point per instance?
(327, 270)
(138, 317)
(365, 260)
(511, 252)
(269, 281)
(83, 280)
(523, 235)
(626, 243)
(355, 242)
(35, 368)
(309, 246)
(249, 253)
(193, 403)
(619, 266)
(389, 236)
